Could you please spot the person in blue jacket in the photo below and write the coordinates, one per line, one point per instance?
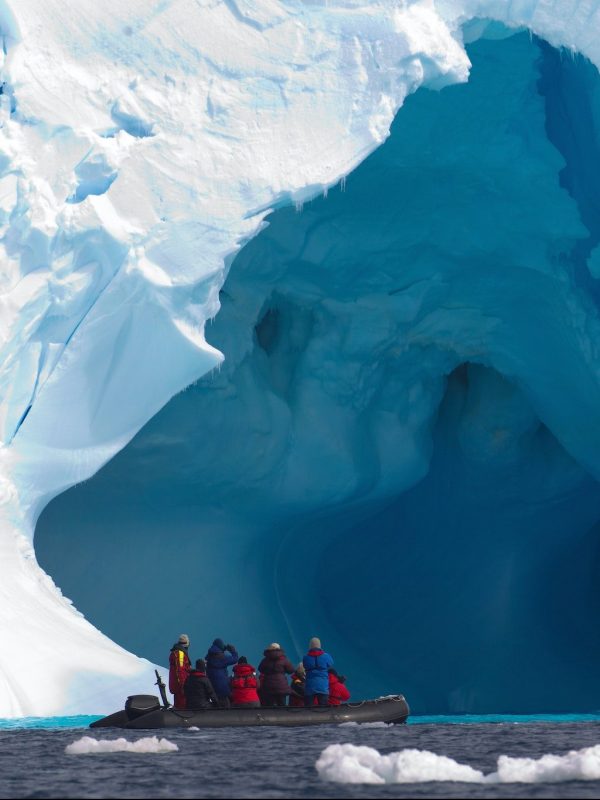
(219, 658)
(317, 664)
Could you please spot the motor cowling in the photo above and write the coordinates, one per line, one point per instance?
(137, 705)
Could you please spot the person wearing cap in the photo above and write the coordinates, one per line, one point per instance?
(244, 685)
(199, 691)
(317, 664)
(219, 658)
(179, 669)
(274, 668)
(297, 686)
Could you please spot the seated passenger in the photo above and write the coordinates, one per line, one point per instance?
(199, 692)
(317, 664)
(273, 669)
(244, 685)
(338, 693)
(297, 686)
(220, 656)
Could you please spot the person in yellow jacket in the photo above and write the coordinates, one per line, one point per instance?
(180, 667)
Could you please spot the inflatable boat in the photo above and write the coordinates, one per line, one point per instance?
(145, 712)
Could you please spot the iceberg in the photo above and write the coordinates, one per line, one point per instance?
(363, 238)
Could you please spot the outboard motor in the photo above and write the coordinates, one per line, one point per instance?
(137, 705)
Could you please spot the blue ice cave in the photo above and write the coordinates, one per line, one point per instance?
(401, 452)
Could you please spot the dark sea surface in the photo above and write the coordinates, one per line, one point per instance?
(278, 762)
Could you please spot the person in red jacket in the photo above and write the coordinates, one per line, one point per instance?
(338, 693)
(180, 667)
(244, 685)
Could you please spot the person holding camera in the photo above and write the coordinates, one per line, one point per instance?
(244, 685)
(219, 658)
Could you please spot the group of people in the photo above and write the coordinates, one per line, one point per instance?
(314, 681)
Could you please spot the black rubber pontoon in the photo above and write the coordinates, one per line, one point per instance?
(144, 712)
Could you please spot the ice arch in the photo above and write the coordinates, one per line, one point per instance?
(401, 447)
(141, 144)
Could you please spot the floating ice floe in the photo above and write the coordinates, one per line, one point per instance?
(348, 763)
(89, 746)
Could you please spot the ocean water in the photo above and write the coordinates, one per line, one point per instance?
(280, 763)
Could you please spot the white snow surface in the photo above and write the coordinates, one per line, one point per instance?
(349, 763)
(142, 143)
(90, 746)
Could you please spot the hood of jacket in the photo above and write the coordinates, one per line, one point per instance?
(241, 670)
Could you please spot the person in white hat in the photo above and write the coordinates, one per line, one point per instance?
(273, 669)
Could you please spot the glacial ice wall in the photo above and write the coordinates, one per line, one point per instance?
(142, 145)
(399, 451)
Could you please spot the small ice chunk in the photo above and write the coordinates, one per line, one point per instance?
(89, 746)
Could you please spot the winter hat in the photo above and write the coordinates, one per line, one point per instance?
(314, 644)
(242, 660)
(301, 669)
(184, 639)
(274, 646)
(201, 665)
(219, 643)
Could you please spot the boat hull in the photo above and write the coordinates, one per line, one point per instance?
(393, 709)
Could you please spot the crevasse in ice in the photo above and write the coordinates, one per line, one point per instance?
(399, 450)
